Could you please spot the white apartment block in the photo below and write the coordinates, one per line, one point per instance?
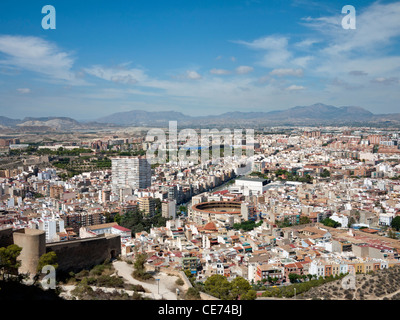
(385, 219)
(130, 172)
(50, 225)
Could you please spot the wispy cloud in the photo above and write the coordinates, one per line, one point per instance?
(244, 69)
(24, 90)
(357, 73)
(220, 71)
(275, 50)
(294, 87)
(287, 72)
(119, 74)
(386, 81)
(192, 75)
(38, 55)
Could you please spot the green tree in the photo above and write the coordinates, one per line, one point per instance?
(140, 270)
(49, 258)
(182, 209)
(330, 223)
(352, 221)
(249, 295)
(293, 277)
(118, 218)
(8, 260)
(304, 220)
(239, 287)
(192, 294)
(325, 173)
(392, 234)
(218, 286)
(396, 223)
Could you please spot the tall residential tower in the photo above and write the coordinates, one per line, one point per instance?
(130, 173)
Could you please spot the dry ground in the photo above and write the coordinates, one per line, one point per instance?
(380, 285)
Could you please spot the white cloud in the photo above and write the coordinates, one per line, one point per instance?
(38, 55)
(219, 71)
(287, 72)
(24, 90)
(387, 81)
(376, 26)
(275, 47)
(305, 44)
(244, 69)
(294, 87)
(117, 74)
(192, 75)
(358, 73)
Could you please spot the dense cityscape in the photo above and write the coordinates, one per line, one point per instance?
(309, 203)
(197, 159)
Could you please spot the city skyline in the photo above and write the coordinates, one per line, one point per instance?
(197, 59)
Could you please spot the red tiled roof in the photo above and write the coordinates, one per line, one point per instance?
(121, 228)
(221, 192)
(210, 226)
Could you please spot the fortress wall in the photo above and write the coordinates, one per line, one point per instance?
(76, 255)
(6, 237)
(33, 244)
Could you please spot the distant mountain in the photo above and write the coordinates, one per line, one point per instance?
(321, 111)
(318, 111)
(7, 122)
(48, 123)
(140, 117)
(57, 123)
(316, 114)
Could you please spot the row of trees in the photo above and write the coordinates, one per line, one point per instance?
(330, 223)
(298, 288)
(238, 289)
(286, 222)
(282, 174)
(138, 222)
(220, 287)
(247, 225)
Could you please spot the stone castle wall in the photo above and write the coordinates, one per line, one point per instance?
(6, 237)
(76, 255)
(73, 255)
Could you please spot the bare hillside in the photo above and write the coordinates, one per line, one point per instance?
(382, 284)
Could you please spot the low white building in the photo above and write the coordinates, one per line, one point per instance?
(385, 219)
(340, 218)
(250, 186)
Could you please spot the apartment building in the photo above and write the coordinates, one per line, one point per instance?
(147, 205)
(130, 172)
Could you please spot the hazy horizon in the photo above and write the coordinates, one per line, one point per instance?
(197, 58)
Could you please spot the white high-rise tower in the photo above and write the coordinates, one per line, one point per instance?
(130, 172)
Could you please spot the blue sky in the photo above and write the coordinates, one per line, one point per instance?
(196, 57)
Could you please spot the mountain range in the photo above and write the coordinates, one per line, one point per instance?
(316, 114)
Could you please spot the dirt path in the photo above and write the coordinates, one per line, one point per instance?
(165, 288)
(68, 288)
